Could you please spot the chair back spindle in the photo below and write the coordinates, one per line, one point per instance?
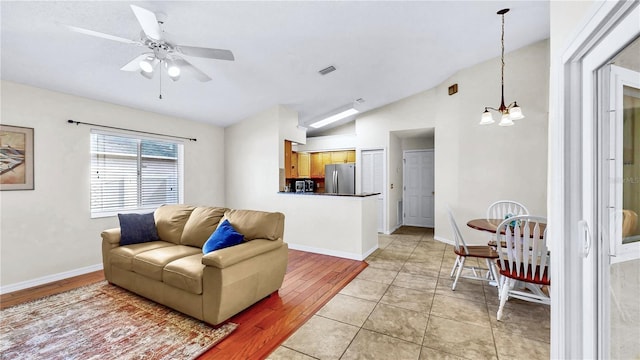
(525, 259)
(526, 248)
(502, 208)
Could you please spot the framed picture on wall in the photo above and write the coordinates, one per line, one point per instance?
(16, 158)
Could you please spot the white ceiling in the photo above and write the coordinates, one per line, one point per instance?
(384, 51)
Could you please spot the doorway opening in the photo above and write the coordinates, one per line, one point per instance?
(413, 177)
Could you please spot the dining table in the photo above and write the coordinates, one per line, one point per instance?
(491, 225)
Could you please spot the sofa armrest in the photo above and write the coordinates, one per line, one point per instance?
(232, 255)
(111, 236)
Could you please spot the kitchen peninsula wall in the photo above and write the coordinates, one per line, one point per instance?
(311, 165)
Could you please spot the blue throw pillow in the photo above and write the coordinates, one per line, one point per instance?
(224, 236)
(137, 228)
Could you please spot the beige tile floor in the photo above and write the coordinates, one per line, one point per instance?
(402, 307)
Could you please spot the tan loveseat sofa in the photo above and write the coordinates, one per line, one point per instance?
(211, 287)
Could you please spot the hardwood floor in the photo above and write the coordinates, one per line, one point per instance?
(26, 295)
(311, 281)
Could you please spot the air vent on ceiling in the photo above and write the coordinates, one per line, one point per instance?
(327, 70)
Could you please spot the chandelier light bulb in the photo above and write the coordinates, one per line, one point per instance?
(505, 120)
(487, 118)
(515, 113)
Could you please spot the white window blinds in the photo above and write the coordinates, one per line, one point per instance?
(133, 173)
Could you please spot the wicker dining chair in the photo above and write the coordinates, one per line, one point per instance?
(525, 259)
(464, 251)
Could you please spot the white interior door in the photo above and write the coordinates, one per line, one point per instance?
(418, 190)
(373, 180)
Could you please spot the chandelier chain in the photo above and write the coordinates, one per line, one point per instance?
(510, 112)
(502, 56)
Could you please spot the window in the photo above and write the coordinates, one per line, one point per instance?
(130, 173)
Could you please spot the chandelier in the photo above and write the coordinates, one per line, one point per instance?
(510, 112)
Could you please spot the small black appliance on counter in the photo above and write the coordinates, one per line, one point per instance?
(309, 185)
(301, 185)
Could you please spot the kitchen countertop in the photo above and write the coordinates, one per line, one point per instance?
(328, 194)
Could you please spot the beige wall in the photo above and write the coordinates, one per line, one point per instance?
(421, 143)
(48, 230)
(474, 165)
(252, 159)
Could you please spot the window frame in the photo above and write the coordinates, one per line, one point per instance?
(139, 159)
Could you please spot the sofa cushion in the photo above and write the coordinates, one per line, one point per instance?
(256, 224)
(150, 263)
(200, 225)
(224, 236)
(185, 273)
(137, 228)
(170, 221)
(122, 256)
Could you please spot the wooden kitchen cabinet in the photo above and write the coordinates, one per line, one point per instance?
(351, 156)
(326, 158)
(294, 165)
(338, 157)
(304, 170)
(287, 159)
(311, 165)
(317, 165)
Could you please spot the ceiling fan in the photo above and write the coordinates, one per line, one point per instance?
(164, 53)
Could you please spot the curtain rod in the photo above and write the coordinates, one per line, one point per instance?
(137, 131)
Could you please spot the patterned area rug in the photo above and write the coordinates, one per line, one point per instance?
(102, 321)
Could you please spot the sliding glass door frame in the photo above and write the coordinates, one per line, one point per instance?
(579, 254)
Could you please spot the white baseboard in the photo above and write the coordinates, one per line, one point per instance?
(393, 229)
(48, 279)
(321, 251)
(367, 253)
(441, 239)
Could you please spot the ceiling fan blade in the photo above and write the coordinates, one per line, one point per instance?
(101, 35)
(134, 65)
(185, 65)
(148, 22)
(219, 54)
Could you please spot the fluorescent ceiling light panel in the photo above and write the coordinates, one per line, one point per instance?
(334, 118)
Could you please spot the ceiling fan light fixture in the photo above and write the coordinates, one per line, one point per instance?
(162, 48)
(148, 75)
(147, 64)
(173, 70)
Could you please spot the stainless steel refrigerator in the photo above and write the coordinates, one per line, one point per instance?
(340, 178)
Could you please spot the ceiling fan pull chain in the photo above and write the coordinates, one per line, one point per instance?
(160, 66)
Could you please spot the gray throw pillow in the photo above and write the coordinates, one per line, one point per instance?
(137, 228)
